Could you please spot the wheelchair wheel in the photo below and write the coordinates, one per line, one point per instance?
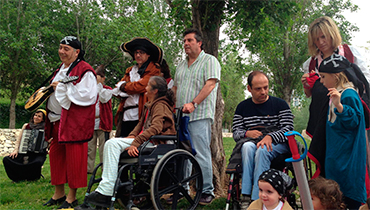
(169, 177)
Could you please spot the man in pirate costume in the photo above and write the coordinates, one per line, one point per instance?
(131, 88)
(70, 122)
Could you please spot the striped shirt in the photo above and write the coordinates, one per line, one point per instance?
(274, 112)
(190, 81)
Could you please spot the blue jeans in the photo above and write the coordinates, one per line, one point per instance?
(255, 161)
(200, 133)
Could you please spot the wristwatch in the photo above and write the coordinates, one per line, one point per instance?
(194, 104)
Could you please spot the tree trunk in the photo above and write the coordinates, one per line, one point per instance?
(217, 147)
(207, 19)
(12, 112)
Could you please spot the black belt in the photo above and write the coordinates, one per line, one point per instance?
(129, 107)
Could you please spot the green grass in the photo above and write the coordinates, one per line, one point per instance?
(31, 195)
(28, 194)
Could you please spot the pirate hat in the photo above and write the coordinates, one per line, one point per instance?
(142, 43)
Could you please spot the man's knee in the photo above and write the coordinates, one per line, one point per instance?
(109, 144)
(248, 147)
(262, 153)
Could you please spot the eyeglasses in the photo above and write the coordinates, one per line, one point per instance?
(139, 52)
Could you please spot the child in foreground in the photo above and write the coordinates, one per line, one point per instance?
(325, 194)
(271, 189)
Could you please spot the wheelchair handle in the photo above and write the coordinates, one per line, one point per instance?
(294, 148)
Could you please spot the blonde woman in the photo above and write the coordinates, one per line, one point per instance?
(324, 40)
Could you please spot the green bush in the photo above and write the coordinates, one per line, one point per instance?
(22, 115)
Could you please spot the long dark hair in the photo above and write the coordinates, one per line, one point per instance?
(165, 69)
(160, 84)
(41, 125)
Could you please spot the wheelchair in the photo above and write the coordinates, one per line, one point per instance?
(157, 172)
(234, 187)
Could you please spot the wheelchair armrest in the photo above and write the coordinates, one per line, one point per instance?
(142, 151)
(164, 137)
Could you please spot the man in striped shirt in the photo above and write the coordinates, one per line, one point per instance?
(252, 118)
(196, 82)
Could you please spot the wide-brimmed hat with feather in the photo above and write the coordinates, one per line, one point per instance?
(142, 43)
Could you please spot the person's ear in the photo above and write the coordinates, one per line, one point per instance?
(249, 88)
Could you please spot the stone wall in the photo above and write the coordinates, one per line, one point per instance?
(7, 140)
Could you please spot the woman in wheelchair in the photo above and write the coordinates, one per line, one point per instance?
(156, 119)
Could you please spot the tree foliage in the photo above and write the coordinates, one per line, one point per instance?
(276, 31)
(21, 60)
(30, 32)
(233, 73)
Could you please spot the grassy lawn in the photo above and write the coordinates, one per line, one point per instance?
(31, 195)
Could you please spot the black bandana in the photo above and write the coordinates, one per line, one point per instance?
(73, 42)
(143, 48)
(335, 64)
(273, 177)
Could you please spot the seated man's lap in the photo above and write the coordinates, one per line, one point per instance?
(260, 160)
(277, 149)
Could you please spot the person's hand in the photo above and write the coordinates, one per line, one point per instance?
(188, 108)
(253, 134)
(51, 139)
(14, 154)
(54, 85)
(304, 80)
(132, 151)
(98, 79)
(335, 99)
(266, 141)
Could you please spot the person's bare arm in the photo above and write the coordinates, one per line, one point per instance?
(206, 90)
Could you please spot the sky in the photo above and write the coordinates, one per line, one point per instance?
(361, 19)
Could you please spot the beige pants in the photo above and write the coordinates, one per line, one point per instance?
(98, 139)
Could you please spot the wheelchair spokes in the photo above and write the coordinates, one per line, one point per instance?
(171, 170)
